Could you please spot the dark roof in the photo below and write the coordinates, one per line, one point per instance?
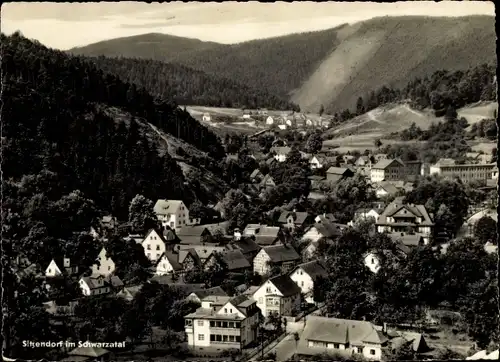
(245, 244)
(389, 187)
(338, 170)
(217, 291)
(314, 269)
(384, 163)
(298, 217)
(172, 258)
(329, 229)
(281, 253)
(198, 231)
(235, 260)
(285, 285)
(169, 235)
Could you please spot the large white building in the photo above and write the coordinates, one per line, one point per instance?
(223, 323)
(174, 214)
(279, 295)
(305, 275)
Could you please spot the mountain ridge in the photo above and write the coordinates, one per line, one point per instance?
(335, 67)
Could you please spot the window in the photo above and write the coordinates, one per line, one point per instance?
(238, 339)
(225, 310)
(336, 346)
(224, 325)
(218, 324)
(164, 266)
(212, 324)
(237, 324)
(231, 310)
(225, 338)
(157, 247)
(212, 338)
(373, 261)
(109, 267)
(372, 352)
(157, 256)
(231, 338)
(148, 247)
(268, 290)
(302, 283)
(200, 323)
(50, 270)
(201, 337)
(231, 324)
(189, 322)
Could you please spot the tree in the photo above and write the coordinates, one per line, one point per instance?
(445, 222)
(486, 230)
(141, 214)
(321, 110)
(314, 143)
(378, 143)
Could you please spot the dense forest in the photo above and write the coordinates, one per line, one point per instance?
(439, 91)
(188, 86)
(55, 119)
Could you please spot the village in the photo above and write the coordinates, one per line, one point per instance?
(273, 306)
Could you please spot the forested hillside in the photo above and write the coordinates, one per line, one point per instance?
(189, 86)
(58, 136)
(333, 67)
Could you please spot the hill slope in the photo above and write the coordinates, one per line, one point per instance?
(334, 67)
(146, 46)
(188, 86)
(98, 134)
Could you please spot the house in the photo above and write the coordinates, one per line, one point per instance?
(317, 162)
(324, 229)
(105, 265)
(256, 176)
(267, 182)
(168, 263)
(282, 127)
(366, 213)
(335, 174)
(305, 275)
(467, 173)
(200, 252)
(232, 326)
(98, 284)
(405, 218)
(246, 114)
(387, 170)
(246, 245)
(155, 245)
(417, 341)
(206, 117)
(88, 352)
(385, 189)
(194, 235)
(374, 259)
(282, 256)
(61, 266)
(106, 224)
(129, 292)
(269, 121)
(281, 153)
(294, 219)
(174, 213)
(341, 336)
(199, 295)
(264, 235)
(234, 259)
(316, 182)
(325, 218)
(484, 355)
(363, 165)
(278, 295)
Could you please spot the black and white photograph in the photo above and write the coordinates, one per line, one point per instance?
(249, 181)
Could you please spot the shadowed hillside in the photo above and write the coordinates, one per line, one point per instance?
(333, 67)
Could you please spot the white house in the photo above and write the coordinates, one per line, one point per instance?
(365, 214)
(198, 295)
(174, 213)
(94, 285)
(269, 121)
(168, 263)
(230, 326)
(154, 245)
(60, 266)
(342, 336)
(281, 153)
(305, 275)
(279, 295)
(284, 256)
(206, 117)
(104, 266)
(246, 114)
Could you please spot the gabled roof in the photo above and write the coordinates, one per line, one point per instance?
(298, 217)
(197, 231)
(281, 253)
(329, 229)
(158, 232)
(245, 244)
(285, 285)
(334, 330)
(235, 259)
(313, 268)
(384, 163)
(203, 293)
(163, 207)
(338, 170)
(201, 252)
(172, 258)
(389, 187)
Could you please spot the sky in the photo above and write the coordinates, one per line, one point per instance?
(67, 25)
